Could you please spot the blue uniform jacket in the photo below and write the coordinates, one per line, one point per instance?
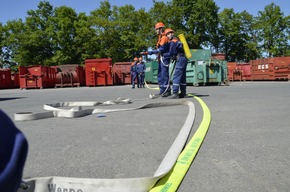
(141, 68)
(175, 48)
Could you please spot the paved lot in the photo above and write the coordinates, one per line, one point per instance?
(246, 148)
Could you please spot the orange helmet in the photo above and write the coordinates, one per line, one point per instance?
(159, 25)
(135, 59)
(168, 30)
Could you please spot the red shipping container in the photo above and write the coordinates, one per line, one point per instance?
(276, 68)
(231, 67)
(5, 79)
(282, 68)
(121, 73)
(99, 72)
(237, 74)
(244, 70)
(15, 80)
(70, 75)
(262, 69)
(218, 56)
(37, 77)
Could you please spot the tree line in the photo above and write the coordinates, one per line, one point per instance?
(58, 35)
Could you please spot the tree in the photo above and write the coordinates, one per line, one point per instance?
(120, 31)
(13, 33)
(36, 44)
(1, 45)
(250, 50)
(85, 39)
(64, 36)
(200, 22)
(101, 22)
(53, 36)
(272, 31)
(237, 37)
(287, 19)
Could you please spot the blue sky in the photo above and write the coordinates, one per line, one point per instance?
(14, 9)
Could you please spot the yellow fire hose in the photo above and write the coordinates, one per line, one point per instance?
(169, 174)
(172, 180)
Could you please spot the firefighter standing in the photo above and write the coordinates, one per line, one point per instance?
(141, 68)
(176, 52)
(134, 74)
(162, 48)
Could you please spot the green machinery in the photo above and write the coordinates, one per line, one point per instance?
(151, 72)
(202, 69)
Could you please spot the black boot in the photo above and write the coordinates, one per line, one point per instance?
(182, 95)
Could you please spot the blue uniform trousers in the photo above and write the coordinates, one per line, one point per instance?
(163, 76)
(134, 76)
(179, 76)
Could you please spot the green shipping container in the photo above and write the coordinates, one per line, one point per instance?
(225, 79)
(202, 70)
(151, 72)
(190, 72)
(200, 54)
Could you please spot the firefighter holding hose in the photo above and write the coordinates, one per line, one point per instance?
(177, 54)
(162, 47)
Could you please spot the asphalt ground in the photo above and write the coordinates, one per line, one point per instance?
(245, 149)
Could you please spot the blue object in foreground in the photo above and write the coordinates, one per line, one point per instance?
(101, 115)
(13, 153)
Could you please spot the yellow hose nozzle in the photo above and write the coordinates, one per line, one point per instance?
(185, 46)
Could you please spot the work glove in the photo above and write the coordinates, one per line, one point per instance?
(146, 53)
(173, 58)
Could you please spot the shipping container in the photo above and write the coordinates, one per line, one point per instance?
(200, 55)
(245, 71)
(98, 72)
(203, 68)
(239, 71)
(121, 73)
(190, 72)
(204, 72)
(151, 72)
(5, 79)
(218, 56)
(274, 68)
(232, 66)
(224, 67)
(36, 77)
(15, 80)
(262, 69)
(70, 75)
(282, 68)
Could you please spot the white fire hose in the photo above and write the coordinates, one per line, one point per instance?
(142, 184)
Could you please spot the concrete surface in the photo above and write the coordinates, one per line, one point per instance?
(246, 147)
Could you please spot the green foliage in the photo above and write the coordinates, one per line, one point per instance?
(53, 36)
(36, 46)
(1, 44)
(273, 31)
(239, 38)
(13, 33)
(200, 21)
